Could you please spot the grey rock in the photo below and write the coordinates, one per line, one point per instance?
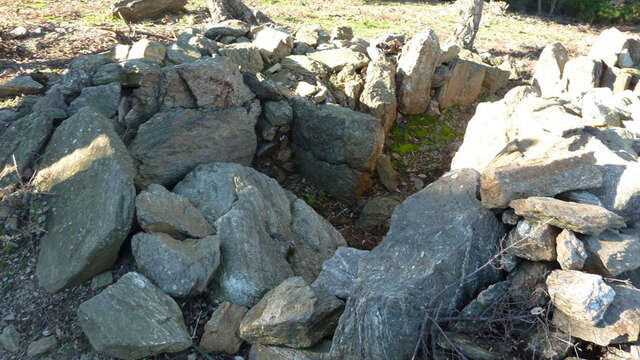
(278, 113)
(464, 85)
(23, 84)
(312, 35)
(619, 324)
(342, 33)
(527, 283)
(380, 319)
(533, 241)
(580, 196)
(549, 69)
(583, 297)
(104, 99)
(246, 55)
(10, 339)
(293, 314)
(179, 268)
(509, 217)
(581, 218)
(233, 28)
(42, 346)
(102, 280)
(386, 173)
(614, 252)
(378, 97)
(581, 74)
(255, 219)
(599, 108)
(376, 212)
(221, 332)
(495, 78)
(150, 50)
(80, 73)
(134, 10)
(172, 143)
(273, 44)
(182, 53)
(305, 66)
(571, 251)
(262, 86)
(482, 306)
(159, 210)
(132, 319)
(337, 148)
(419, 59)
(336, 59)
(339, 272)
(552, 345)
(128, 73)
(265, 352)
(89, 169)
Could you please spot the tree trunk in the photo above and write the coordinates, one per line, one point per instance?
(470, 13)
(222, 10)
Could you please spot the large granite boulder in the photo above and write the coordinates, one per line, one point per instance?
(336, 148)
(549, 68)
(416, 66)
(172, 143)
(89, 170)
(293, 314)
(266, 235)
(428, 260)
(464, 84)
(133, 319)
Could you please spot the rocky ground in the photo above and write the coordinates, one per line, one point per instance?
(113, 108)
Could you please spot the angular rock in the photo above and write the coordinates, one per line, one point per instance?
(336, 59)
(342, 33)
(42, 346)
(386, 173)
(246, 55)
(527, 283)
(339, 272)
(150, 50)
(182, 53)
(580, 196)
(614, 252)
(516, 175)
(376, 212)
(10, 339)
(620, 324)
(336, 148)
(264, 352)
(221, 332)
(599, 108)
(20, 85)
(22, 141)
(179, 268)
(583, 297)
(263, 87)
(292, 314)
(419, 59)
(235, 28)
(612, 44)
(571, 251)
(304, 65)
(159, 210)
(549, 68)
(495, 78)
(273, 44)
(255, 219)
(133, 319)
(134, 10)
(533, 241)
(89, 169)
(278, 113)
(128, 73)
(581, 218)
(104, 99)
(464, 85)
(481, 306)
(552, 345)
(380, 319)
(581, 74)
(378, 97)
(172, 143)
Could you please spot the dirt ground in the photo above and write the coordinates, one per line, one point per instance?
(59, 31)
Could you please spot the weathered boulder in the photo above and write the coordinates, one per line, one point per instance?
(486, 300)
(180, 268)
(382, 316)
(516, 174)
(571, 251)
(104, 99)
(378, 97)
(614, 252)
(583, 297)
(221, 332)
(339, 272)
(134, 10)
(128, 73)
(19, 85)
(42, 346)
(150, 50)
(265, 236)
(232, 27)
(581, 218)
(376, 211)
(620, 324)
(336, 59)
(265, 352)
(273, 44)
(533, 241)
(159, 210)
(278, 113)
(527, 283)
(172, 143)
(293, 314)
(549, 68)
(133, 319)
(601, 108)
(416, 66)
(336, 148)
(80, 73)
(581, 74)
(386, 173)
(262, 86)
(464, 84)
(10, 339)
(89, 169)
(182, 53)
(246, 55)
(611, 46)
(304, 65)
